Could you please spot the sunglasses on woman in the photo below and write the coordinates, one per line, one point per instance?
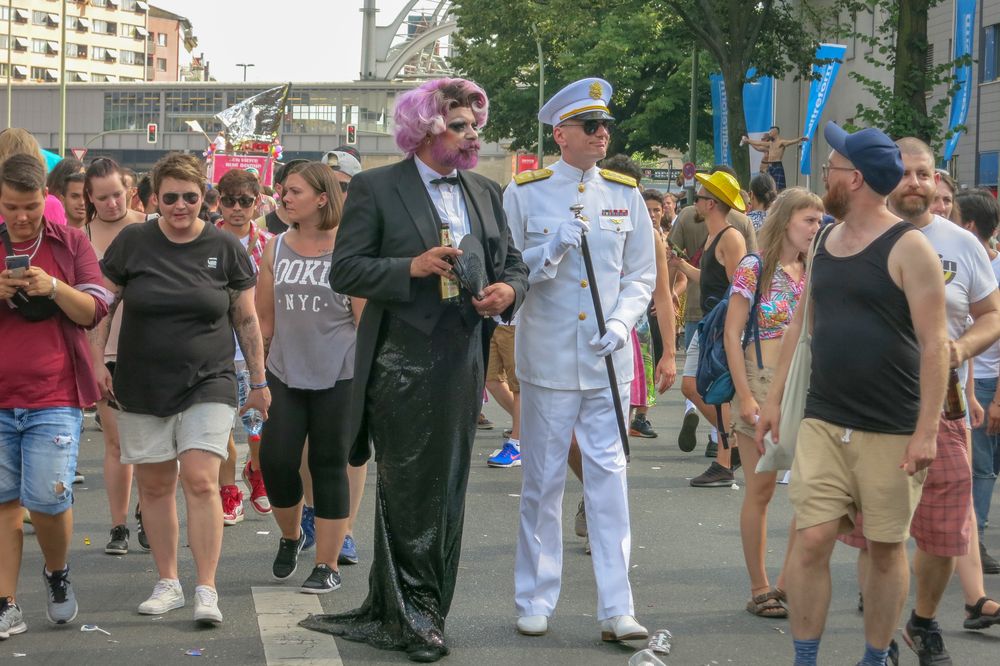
(170, 198)
(230, 202)
(590, 126)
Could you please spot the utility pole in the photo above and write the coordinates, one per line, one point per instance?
(693, 122)
(10, 73)
(62, 80)
(541, 96)
(245, 67)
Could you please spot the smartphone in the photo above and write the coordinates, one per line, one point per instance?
(17, 264)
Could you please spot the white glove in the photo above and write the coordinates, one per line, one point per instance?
(613, 340)
(569, 235)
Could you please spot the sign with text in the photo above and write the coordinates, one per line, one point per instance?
(661, 174)
(262, 164)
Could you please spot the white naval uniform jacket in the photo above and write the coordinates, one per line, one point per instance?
(557, 320)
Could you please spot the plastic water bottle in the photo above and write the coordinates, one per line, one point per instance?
(659, 643)
(645, 658)
(252, 420)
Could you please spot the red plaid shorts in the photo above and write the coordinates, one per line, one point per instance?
(942, 523)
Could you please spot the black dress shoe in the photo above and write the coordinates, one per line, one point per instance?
(427, 653)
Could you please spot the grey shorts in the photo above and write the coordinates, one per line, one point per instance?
(691, 358)
(153, 439)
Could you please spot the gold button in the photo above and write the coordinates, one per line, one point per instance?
(580, 187)
(583, 283)
(583, 315)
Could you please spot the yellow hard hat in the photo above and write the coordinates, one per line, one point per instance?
(723, 187)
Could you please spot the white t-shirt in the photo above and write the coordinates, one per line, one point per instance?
(987, 364)
(968, 276)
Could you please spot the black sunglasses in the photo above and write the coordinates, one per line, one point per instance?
(170, 198)
(590, 126)
(230, 202)
(343, 186)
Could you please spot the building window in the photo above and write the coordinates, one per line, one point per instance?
(989, 169)
(102, 53)
(132, 58)
(105, 27)
(128, 110)
(3, 69)
(39, 46)
(200, 105)
(3, 42)
(991, 52)
(161, 39)
(20, 43)
(45, 74)
(20, 16)
(99, 3)
(5, 16)
(77, 23)
(161, 64)
(78, 77)
(75, 50)
(20, 72)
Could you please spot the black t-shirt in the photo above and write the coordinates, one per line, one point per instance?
(274, 223)
(176, 345)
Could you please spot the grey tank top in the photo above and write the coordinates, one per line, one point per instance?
(314, 334)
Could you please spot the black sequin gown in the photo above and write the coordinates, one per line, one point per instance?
(423, 398)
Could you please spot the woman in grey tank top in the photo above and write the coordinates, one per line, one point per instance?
(309, 337)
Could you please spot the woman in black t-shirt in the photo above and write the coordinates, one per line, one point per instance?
(188, 285)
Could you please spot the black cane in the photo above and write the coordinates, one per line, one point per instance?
(602, 328)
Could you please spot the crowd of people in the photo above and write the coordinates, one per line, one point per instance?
(321, 322)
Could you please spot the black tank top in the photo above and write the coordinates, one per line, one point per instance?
(714, 282)
(865, 357)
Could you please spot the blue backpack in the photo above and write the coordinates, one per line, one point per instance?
(713, 379)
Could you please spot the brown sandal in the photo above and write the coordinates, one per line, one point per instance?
(767, 604)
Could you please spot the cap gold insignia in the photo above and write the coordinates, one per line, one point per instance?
(595, 90)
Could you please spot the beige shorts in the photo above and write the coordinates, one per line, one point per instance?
(833, 479)
(760, 383)
(153, 439)
(501, 364)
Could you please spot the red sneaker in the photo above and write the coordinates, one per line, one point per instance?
(232, 505)
(258, 493)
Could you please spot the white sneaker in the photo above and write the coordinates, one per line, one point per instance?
(622, 628)
(206, 605)
(166, 596)
(533, 625)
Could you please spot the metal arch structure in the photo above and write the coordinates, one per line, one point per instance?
(388, 50)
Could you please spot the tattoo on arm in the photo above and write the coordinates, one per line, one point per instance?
(244, 321)
(98, 336)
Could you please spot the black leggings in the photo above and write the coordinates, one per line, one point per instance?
(323, 417)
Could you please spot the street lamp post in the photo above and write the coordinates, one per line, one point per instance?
(245, 66)
(541, 95)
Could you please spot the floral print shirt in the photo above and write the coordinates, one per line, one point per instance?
(777, 303)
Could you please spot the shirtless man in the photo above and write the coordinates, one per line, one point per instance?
(773, 147)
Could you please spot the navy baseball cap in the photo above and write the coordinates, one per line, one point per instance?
(871, 152)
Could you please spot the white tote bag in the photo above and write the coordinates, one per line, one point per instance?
(793, 401)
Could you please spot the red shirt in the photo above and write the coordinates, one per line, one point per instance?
(47, 363)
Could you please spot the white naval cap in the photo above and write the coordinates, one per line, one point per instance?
(586, 99)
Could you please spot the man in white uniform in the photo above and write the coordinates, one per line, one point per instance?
(560, 354)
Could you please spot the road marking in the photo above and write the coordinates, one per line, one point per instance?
(279, 610)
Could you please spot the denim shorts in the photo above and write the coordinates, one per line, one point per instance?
(38, 451)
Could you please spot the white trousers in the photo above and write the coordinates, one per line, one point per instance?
(549, 417)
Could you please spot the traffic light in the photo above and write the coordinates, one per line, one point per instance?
(151, 133)
(352, 135)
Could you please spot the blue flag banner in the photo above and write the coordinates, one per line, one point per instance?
(965, 20)
(819, 93)
(720, 119)
(758, 111)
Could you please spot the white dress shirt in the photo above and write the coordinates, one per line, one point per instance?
(448, 200)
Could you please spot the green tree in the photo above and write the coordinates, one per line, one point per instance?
(641, 51)
(899, 47)
(773, 36)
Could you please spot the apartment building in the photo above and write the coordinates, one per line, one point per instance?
(105, 41)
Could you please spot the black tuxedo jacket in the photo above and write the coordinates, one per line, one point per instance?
(388, 220)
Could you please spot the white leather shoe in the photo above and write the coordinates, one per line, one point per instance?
(533, 625)
(622, 628)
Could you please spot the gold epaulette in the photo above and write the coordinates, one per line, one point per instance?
(526, 177)
(608, 174)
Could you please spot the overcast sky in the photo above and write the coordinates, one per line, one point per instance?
(286, 40)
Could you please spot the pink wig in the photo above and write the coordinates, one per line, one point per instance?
(421, 111)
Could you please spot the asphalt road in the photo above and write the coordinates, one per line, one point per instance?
(687, 576)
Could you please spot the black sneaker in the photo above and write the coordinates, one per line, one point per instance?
(893, 657)
(287, 559)
(323, 579)
(712, 449)
(641, 427)
(688, 437)
(78, 477)
(734, 462)
(990, 565)
(716, 476)
(119, 541)
(928, 644)
(140, 532)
